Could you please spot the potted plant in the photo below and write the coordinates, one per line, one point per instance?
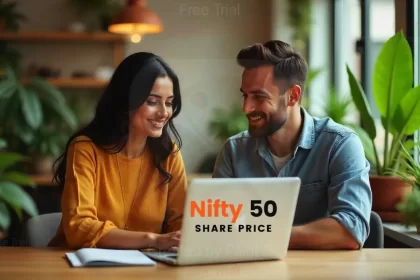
(410, 206)
(12, 196)
(10, 19)
(224, 124)
(398, 103)
(27, 109)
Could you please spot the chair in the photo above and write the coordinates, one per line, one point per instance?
(41, 229)
(376, 235)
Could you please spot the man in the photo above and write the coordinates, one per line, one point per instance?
(335, 199)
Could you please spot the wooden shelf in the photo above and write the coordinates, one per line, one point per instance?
(78, 82)
(62, 36)
(46, 180)
(44, 36)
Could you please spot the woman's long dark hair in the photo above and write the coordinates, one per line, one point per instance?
(128, 89)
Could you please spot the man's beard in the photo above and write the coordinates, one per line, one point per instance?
(269, 127)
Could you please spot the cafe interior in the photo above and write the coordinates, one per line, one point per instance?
(57, 56)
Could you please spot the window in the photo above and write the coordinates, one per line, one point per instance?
(361, 27)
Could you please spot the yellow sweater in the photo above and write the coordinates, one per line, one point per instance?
(99, 193)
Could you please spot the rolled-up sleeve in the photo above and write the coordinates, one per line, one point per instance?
(349, 192)
(80, 223)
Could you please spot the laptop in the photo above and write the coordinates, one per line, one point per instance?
(235, 220)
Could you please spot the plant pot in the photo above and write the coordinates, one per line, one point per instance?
(42, 165)
(387, 192)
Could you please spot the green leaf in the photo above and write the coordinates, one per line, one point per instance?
(31, 107)
(4, 216)
(10, 74)
(19, 178)
(22, 130)
(68, 116)
(407, 115)
(392, 75)
(411, 163)
(9, 159)
(55, 100)
(17, 197)
(51, 93)
(359, 99)
(3, 144)
(391, 127)
(7, 88)
(312, 74)
(410, 208)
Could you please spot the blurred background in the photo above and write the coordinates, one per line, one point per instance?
(57, 55)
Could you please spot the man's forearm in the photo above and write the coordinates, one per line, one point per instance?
(323, 234)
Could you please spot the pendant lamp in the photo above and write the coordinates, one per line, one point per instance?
(136, 19)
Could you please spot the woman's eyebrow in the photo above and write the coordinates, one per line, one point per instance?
(158, 96)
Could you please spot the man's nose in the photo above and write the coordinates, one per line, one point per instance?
(248, 106)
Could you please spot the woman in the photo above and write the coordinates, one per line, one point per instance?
(123, 177)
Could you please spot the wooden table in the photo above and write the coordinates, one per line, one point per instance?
(39, 263)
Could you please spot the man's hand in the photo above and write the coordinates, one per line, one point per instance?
(167, 241)
(324, 234)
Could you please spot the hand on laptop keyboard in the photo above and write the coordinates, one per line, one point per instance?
(167, 241)
(170, 250)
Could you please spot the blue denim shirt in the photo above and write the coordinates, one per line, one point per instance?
(329, 159)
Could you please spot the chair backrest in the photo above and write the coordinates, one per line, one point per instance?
(376, 235)
(41, 229)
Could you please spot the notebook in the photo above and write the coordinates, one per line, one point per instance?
(89, 257)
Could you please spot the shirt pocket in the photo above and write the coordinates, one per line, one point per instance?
(312, 202)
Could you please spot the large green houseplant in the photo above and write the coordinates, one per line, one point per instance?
(398, 103)
(12, 196)
(28, 108)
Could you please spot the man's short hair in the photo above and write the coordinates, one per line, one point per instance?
(289, 66)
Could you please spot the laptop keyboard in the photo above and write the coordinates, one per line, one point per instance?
(168, 254)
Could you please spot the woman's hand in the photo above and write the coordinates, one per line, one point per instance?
(167, 241)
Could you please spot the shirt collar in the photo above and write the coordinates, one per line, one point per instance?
(306, 138)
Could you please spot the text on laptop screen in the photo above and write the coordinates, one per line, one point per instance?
(216, 208)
